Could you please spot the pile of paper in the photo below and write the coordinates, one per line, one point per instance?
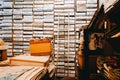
(24, 60)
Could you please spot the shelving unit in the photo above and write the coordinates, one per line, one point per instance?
(6, 23)
(85, 9)
(48, 9)
(27, 23)
(38, 18)
(63, 58)
(17, 28)
(64, 32)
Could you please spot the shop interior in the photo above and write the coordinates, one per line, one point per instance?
(59, 40)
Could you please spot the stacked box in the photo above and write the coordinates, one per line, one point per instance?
(27, 23)
(80, 14)
(48, 20)
(1, 18)
(79, 23)
(59, 37)
(27, 35)
(17, 27)
(38, 17)
(6, 23)
(91, 8)
(8, 4)
(64, 32)
(85, 11)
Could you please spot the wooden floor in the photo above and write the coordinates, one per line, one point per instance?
(92, 77)
(65, 78)
(68, 78)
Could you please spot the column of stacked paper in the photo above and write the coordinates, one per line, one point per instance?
(64, 31)
(6, 11)
(17, 27)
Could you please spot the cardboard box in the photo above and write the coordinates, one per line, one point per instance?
(40, 47)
